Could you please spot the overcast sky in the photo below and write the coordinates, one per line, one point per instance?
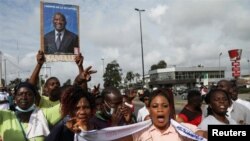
(183, 33)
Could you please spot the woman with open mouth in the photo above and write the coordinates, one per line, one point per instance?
(162, 128)
(218, 102)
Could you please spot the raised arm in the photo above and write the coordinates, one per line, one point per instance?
(79, 62)
(35, 74)
(83, 78)
(96, 90)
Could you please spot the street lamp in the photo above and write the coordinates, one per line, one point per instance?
(0, 67)
(141, 10)
(5, 78)
(102, 66)
(219, 65)
(248, 66)
(46, 75)
(18, 58)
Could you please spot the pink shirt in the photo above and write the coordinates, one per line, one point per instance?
(153, 134)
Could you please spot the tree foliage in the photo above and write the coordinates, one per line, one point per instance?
(154, 67)
(14, 82)
(113, 75)
(130, 76)
(137, 77)
(3, 82)
(161, 65)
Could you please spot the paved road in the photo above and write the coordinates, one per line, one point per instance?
(179, 103)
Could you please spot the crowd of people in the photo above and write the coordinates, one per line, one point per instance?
(62, 113)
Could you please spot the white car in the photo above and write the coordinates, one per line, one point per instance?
(184, 96)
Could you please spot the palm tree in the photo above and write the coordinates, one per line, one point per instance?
(137, 77)
(130, 76)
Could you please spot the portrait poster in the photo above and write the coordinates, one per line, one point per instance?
(59, 31)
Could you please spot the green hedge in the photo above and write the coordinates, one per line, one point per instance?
(244, 90)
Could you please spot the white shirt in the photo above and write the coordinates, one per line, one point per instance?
(203, 91)
(236, 111)
(4, 96)
(142, 113)
(239, 113)
(62, 34)
(243, 102)
(211, 120)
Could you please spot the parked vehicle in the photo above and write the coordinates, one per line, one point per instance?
(184, 96)
(184, 93)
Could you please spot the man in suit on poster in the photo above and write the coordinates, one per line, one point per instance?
(60, 40)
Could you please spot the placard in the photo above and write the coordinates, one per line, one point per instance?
(59, 31)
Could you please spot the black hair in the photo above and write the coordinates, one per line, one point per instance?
(233, 83)
(110, 90)
(26, 85)
(164, 93)
(49, 79)
(146, 93)
(128, 91)
(192, 94)
(209, 96)
(70, 97)
(158, 92)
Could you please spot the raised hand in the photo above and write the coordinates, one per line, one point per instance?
(79, 62)
(40, 57)
(79, 59)
(86, 74)
(76, 125)
(127, 112)
(116, 116)
(96, 90)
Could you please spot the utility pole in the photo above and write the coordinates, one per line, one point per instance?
(248, 66)
(5, 78)
(18, 59)
(219, 65)
(0, 67)
(143, 79)
(45, 72)
(103, 67)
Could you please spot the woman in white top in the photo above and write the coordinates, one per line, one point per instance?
(218, 103)
(143, 112)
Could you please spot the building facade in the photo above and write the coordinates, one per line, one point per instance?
(185, 76)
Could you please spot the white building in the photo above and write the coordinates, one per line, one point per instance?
(185, 76)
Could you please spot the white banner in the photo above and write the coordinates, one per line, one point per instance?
(112, 133)
(184, 131)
